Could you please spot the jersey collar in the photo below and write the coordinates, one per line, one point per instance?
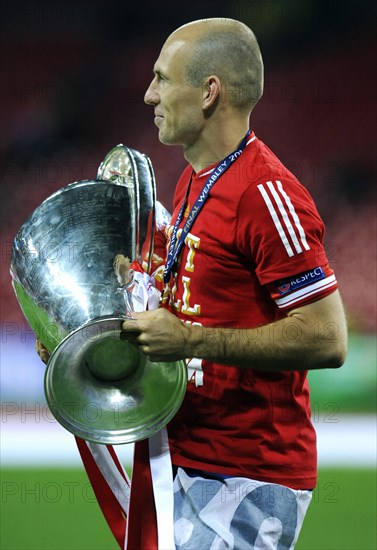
(208, 169)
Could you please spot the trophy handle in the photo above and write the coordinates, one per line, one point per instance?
(125, 166)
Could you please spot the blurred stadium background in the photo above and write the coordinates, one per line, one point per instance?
(73, 75)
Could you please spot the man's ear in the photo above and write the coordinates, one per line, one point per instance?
(211, 91)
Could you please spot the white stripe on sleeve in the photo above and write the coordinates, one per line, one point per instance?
(294, 215)
(285, 216)
(277, 203)
(276, 220)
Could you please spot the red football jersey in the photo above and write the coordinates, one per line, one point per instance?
(254, 252)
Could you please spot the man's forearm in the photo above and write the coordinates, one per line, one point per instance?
(311, 337)
(284, 345)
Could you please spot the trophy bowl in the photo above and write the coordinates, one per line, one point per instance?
(98, 386)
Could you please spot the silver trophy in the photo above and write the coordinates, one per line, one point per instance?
(98, 386)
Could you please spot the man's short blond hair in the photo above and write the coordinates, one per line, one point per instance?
(235, 59)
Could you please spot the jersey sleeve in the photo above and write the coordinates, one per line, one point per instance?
(303, 288)
(280, 231)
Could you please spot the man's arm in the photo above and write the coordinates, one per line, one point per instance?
(313, 336)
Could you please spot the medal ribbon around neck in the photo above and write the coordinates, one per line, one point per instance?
(175, 247)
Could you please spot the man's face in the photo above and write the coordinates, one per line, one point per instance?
(177, 105)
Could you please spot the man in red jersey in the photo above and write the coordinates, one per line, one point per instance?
(249, 300)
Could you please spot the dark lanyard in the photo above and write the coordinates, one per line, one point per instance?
(175, 247)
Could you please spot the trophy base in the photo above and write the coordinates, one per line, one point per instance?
(104, 389)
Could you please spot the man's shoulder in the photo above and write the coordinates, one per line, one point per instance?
(260, 165)
(266, 159)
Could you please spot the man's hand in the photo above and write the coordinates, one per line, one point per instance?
(42, 351)
(159, 334)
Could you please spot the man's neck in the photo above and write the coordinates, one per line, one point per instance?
(213, 147)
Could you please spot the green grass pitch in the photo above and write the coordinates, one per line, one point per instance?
(55, 509)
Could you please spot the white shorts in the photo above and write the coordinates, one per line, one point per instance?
(236, 513)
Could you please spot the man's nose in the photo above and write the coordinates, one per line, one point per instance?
(151, 96)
